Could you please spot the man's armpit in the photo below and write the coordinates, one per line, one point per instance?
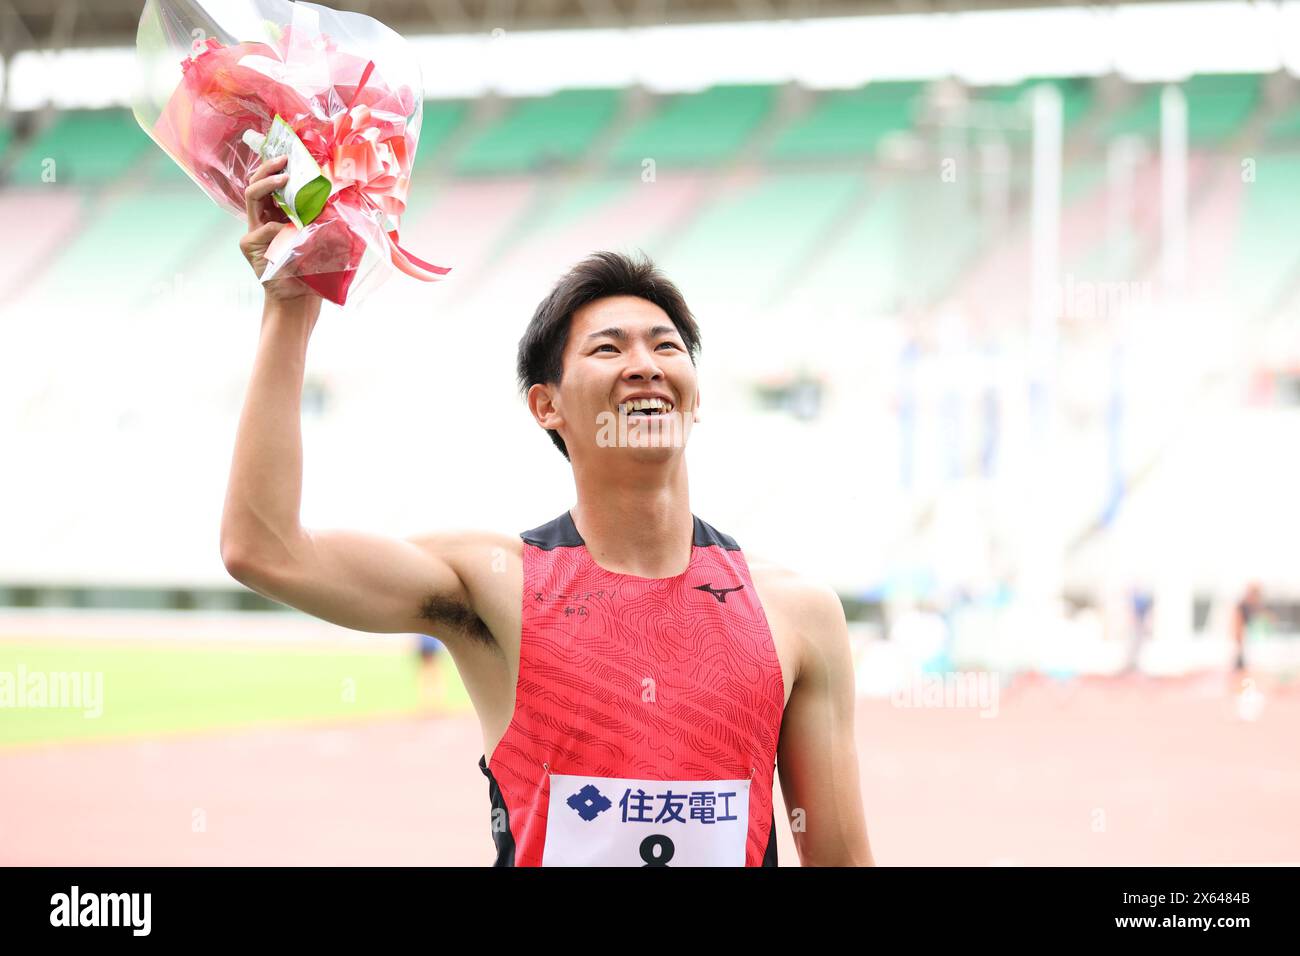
(457, 616)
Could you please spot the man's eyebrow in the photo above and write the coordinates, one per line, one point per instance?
(616, 333)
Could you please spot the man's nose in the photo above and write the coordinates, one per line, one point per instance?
(642, 364)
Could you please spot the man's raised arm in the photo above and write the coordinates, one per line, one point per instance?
(362, 581)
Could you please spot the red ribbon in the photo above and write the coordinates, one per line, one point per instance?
(356, 194)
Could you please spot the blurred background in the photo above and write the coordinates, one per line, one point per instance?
(1001, 318)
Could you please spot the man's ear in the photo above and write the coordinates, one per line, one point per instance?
(542, 404)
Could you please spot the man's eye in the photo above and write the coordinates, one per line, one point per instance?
(671, 345)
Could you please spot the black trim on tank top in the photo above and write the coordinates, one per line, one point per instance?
(504, 840)
(708, 536)
(559, 533)
(563, 533)
(769, 855)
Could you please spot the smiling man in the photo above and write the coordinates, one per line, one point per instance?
(639, 682)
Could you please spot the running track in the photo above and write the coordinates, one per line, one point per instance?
(1128, 772)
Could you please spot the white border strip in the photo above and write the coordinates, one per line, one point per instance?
(1140, 42)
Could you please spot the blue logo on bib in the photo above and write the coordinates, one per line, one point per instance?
(589, 802)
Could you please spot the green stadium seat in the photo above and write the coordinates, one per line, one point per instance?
(162, 171)
(865, 266)
(1217, 105)
(1076, 95)
(1285, 127)
(583, 199)
(748, 246)
(1223, 84)
(441, 119)
(139, 238)
(697, 129)
(1139, 118)
(847, 123)
(537, 132)
(1078, 179)
(905, 246)
(87, 147)
(1266, 254)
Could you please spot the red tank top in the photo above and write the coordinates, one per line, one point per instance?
(652, 708)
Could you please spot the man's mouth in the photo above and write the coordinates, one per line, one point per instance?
(645, 406)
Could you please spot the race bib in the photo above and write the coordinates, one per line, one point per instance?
(614, 821)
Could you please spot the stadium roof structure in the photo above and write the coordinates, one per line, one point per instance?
(54, 24)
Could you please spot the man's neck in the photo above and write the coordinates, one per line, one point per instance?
(636, 521)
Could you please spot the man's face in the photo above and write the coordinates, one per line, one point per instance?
(621, 352)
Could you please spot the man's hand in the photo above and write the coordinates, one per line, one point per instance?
(265, 220)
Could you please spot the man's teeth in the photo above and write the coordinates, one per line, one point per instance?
(651, 405)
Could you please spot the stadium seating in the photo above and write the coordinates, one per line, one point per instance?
(1285, 127)
(811, 235)
(757, 212)
(1216, 108)
(1266, 254)
(849, 123)
(746, 245)
(49, 217)
(88, 147)
(1218, 105)
(539, 132)
(145, 235)
(697, 129)
(1076, 95)
(440, 120)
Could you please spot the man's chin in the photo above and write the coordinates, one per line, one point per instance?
(650, 452)
(667, 434)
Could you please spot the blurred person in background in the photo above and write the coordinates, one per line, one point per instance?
(1248, 618)
(1141, 602)
(432, 677)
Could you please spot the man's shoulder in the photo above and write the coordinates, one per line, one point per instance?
(480, 558)
(804, 608)
(794, 592)
(467, 541)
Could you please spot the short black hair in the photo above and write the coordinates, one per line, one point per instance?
(599, 276)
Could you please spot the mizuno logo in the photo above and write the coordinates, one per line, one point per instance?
(719, 593)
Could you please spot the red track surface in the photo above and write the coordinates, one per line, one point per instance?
(1100, 772)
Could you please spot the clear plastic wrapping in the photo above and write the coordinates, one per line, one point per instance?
(216, 74)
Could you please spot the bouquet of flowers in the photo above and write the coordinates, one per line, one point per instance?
(230, 84)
